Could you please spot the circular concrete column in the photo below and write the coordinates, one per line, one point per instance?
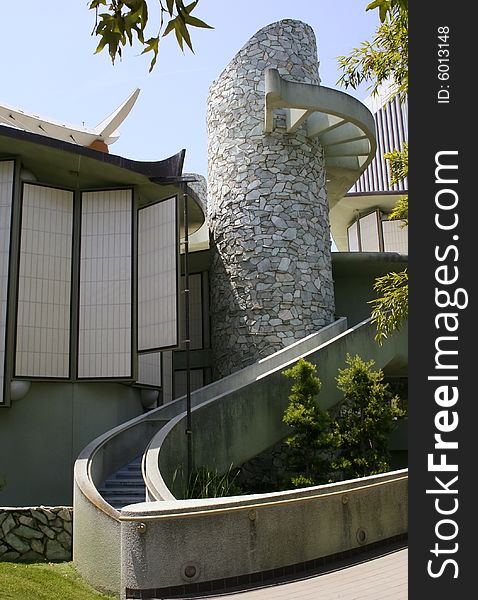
(271, 274)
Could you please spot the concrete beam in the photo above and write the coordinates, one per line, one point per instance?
(295, 117)
(358, 148)
(347, 131)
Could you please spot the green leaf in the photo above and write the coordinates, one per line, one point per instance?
(179, 37)
(387, 7)
(115, 27)
(102, 43)
(139, 33)
(133, 4)
(152, 45)
(119, 25)
(95, 3)
(130, 36)
(171, 25)
(136, 16)
(144, 13)
(184, 33)
(190, 7)
(375, 4)
(196, 22)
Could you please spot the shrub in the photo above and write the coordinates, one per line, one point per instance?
(311, 439)
(364, 420)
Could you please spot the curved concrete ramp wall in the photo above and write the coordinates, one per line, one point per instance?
(96, 528)
(242, 422)
(169, 544)
(96, 547)
(259, 389)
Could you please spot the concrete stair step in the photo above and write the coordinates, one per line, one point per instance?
(126, 475)
(126, 486)
(123, 491)
(134, 481)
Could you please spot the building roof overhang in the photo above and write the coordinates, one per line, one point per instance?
(352, 205)
(365, 262)
(59, 163)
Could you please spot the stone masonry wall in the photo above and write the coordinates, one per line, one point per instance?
(267, 472)
(36, 534)
(200, 187)
(271, 275)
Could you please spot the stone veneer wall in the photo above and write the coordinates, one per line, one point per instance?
(271, 274)
(200, 187)
(267, 472)
(36, 534)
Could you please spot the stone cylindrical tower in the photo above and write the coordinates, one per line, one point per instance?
(271, 275)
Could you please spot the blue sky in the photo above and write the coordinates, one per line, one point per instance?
(48, 67)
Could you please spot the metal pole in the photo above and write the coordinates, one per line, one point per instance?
(187, 340)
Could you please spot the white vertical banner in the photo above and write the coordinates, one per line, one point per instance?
(395, 237)
(44, 285)
(353, 238)
(105, 305)
(158, 276)
(369, 233)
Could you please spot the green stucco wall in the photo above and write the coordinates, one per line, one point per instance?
(354, 274)
(42, 434)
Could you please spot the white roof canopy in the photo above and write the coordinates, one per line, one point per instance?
(106, 131)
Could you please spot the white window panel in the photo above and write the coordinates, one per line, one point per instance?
(395, 237)
(44, 287)
(7, 169)
(104, 337)
(353, 240)
(158, 276)
(369, 234)
(149, 369)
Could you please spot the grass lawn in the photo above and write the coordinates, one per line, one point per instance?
(44, 581)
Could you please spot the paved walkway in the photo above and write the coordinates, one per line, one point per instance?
(382, 578)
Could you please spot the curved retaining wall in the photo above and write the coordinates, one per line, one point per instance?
(96, 527)
(96, 539)
(173, 544)
(271, 276)
(242, 421)
(210, 542)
